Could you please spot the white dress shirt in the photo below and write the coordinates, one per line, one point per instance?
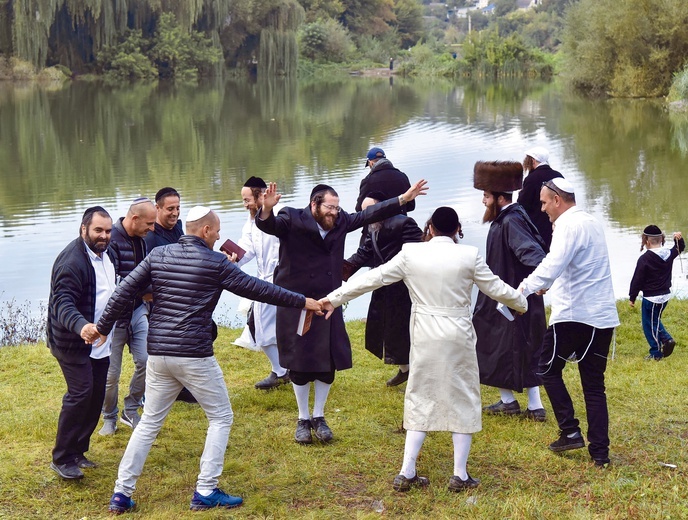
(105, 286)
(576, 270)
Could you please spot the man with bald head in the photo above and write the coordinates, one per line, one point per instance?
(128, 249)
(187, 279)
(582, 320)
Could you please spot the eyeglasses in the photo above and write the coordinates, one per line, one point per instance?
(336, 209)
(546, 185)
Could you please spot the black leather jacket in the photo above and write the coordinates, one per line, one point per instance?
(187, 280)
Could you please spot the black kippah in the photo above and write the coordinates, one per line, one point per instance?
(255, 182)
(319, 188)
(652, 231)
(445, 220)
(164, 192)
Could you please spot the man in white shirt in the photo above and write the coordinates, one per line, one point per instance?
(81, 282)
(582, 320)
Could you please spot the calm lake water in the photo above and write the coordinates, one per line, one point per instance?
(65, 149)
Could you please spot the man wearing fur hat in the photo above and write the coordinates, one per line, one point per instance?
(539, 171)
(311, 257)
(509, 351)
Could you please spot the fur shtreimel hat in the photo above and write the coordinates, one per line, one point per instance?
(498, 176)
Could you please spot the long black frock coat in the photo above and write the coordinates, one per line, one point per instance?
(509, 351)
(312, 266)
(387, 325)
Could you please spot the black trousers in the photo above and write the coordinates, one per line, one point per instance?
(81, 405)
(591, 347)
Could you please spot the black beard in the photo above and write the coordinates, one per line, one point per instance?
(98, 246)
(491, 212)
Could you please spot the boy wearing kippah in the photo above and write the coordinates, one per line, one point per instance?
(653, 277)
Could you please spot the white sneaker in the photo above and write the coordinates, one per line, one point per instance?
(109, 427)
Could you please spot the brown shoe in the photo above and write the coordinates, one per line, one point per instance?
(401, 483)
(399, 377)
(456, 484)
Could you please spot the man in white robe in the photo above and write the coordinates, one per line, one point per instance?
(265, 249)
(443, 390)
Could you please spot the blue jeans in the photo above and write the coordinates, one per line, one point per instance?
(591, 346)
(654, 330)
(136, 336)
(166, 376)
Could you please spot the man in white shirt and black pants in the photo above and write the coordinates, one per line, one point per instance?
(583, 317)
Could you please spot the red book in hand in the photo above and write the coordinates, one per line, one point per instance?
(304, 322)
(230, 247)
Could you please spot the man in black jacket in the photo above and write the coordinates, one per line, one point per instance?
(82, 280)
(187, 280)
(387, 333)
(311, 259)
(128, 249)
(385, 178)
(539, 171)
(509, 350)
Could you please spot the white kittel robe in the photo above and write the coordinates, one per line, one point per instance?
(265, 249)
(443, 389)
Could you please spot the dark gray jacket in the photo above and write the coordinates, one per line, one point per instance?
(72, 298)
(188, 279)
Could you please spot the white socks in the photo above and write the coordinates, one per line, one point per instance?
(404, 368)
(462, 447)
(302, 393)
(321, 392)
(414, 442)
(534, 401)
(273, 355)
(507, 396)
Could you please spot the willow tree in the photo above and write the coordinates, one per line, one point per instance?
(279, 53)
(72, 32)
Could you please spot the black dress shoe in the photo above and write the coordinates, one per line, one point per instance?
(456, 484)
(68, 471)
(565, 442)
(538, 415)
(322, 430)
(502, 408)
(399, 377)
(272, 381)
(401, 483)
(303, 432)
(82, 462)
(668, 347)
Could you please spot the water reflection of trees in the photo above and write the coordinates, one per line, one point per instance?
(91, 141)
(629, 151)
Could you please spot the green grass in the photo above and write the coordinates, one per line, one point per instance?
(351, 478)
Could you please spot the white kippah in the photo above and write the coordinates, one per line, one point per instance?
(563, 184)
(197, 213)
(539, 153)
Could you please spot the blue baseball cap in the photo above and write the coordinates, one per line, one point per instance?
(375, 153)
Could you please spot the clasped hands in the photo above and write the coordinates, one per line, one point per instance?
(91, 336)
(318, 306)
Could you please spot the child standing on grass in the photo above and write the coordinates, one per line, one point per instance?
(653, 277)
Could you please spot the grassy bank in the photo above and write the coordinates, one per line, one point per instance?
(352, 477)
